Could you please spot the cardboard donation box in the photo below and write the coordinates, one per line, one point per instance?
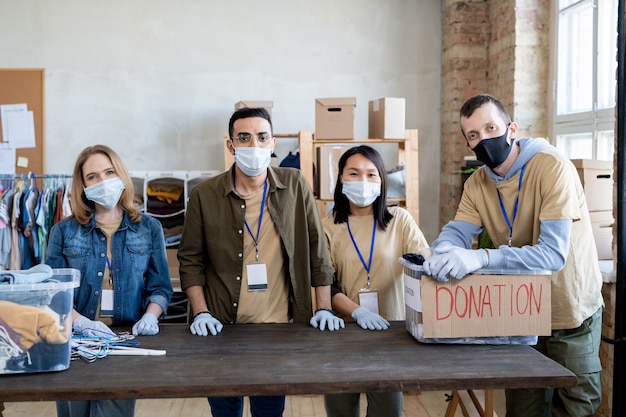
(36, 321)
(498, 308)
(334, 118)
(255, 103)
(386, 118)
(328, 163)
(597, 179)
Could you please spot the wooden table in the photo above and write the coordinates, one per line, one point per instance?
(273, 359)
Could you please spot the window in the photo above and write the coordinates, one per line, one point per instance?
(585, 78)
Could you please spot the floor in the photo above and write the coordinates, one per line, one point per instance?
(425, 404)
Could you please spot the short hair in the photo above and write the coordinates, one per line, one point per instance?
(341, 209)
(247, 112)
(476, 102)
(82, 208)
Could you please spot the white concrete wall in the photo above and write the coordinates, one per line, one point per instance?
(157, 80)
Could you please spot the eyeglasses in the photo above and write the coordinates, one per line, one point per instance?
(246, 138)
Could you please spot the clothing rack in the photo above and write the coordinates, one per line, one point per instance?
(28, 210)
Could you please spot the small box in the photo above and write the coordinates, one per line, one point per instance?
(328, 163)
(602, 227)
(386, 118)
(497, 308)
(36, 323)
(334, 118)
(597, 179)
(266, 104)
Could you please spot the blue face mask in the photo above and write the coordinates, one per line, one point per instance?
(253, 161)
(106, 193)
(361, 193)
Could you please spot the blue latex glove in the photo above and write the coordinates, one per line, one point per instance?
(148, 325)
(457, 263)
(369, 320)
(325, 318)
(205, 323)
(92, 328)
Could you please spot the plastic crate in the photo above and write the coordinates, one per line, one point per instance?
(36, 323)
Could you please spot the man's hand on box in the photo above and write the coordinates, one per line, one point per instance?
(456, 263)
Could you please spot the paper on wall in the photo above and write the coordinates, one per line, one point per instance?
(18, 125)
(7, 159)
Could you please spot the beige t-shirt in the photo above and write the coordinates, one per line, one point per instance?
(270, 305)
(551, 190)
(107, 282)
(402, 236)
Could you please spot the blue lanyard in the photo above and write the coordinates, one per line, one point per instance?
(110, 269)
(369, 264)
(506, 217)
(258, 230)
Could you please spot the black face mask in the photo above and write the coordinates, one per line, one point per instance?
(493, 151)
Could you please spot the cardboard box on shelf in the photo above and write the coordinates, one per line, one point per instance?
(334, 118)
(36, 321)
(479, 305)
(328, 162)
(267, 104)
(602, 227)
(597, 179)
(386, 118)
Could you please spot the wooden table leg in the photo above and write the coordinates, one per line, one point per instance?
(473, 403)
(452, 404)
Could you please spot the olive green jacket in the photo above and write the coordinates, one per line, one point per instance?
(211, 249)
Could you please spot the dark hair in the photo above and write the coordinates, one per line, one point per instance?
(476, 102)
(246, 112)
(341, 209)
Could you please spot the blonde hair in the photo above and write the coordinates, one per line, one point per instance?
(83, 209)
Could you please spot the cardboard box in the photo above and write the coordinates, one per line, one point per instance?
(597, 179)
(602, 227)
(334, 118)
(479, 305)
(36, 323)
(386, 118)
(268, 105)
(328, 162)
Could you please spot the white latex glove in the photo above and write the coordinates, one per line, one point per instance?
(443, 247)
(325, 318)
(457, 263)
(148, 325)
(92, 328)
(369, 320)
(205, 323)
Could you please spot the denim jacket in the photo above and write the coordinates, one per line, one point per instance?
(139, 265)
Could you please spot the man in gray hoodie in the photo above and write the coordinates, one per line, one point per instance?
(530, 200)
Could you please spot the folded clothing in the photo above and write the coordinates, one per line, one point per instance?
(36, 274)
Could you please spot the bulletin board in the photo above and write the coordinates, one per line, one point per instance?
(26, 86)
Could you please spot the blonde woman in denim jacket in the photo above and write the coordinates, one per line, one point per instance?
(121, 256)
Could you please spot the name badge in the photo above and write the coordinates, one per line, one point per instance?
(368, 298)
(106, 303)
(257, 277)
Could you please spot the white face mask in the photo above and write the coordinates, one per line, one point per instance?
(106, 193)
(253, 161)
(361, 193)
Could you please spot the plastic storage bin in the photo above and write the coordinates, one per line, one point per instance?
(36, 323)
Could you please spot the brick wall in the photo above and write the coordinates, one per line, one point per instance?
(498, 47)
